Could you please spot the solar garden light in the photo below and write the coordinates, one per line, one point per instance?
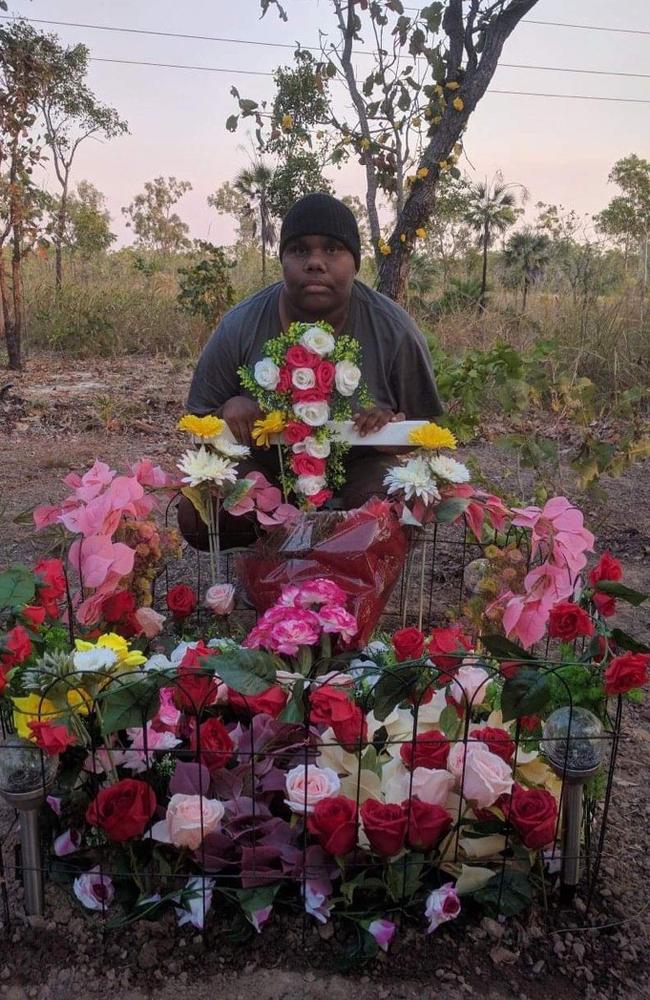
(572, 743)
(26, 776)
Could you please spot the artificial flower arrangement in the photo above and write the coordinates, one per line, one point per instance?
(307, 378)
(304, 764)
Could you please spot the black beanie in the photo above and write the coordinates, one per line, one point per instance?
(320, 214)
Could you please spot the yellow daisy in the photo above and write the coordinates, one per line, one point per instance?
(33, 708)
(432, 437)
(263, 430)
(201, 427)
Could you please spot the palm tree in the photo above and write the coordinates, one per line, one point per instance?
(527, 254)
(254, 183)
(491, 210)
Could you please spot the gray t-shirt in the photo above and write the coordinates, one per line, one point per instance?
(396, 363)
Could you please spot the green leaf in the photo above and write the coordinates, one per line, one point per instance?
(252, 900)
(360, 881)
(503, 648)
(449, 722)
(616, 589)
(451, 510)
(294, 709)
(508, 894)
(393, 687)
(231, 122)
(248, 671)
(525, 694)
(403, 876)
(627, 642)
(17, 588)
(129, 705)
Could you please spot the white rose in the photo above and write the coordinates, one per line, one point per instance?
(307, 785)
(309, 485)
(427, 784)
(312, 414)
(303, 378)
(316, 448)
(267, 373)
(347, 377)
(318, 340)
(484, 775)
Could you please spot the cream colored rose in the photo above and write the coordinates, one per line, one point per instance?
(427, 784)
(484, 776)
(189, 819)
(307, 785)
(316, 448)
(266, 373)
(220, 598)
(303, 378)
(309, 485)
(312, 414)
(318, 340)
(347, 377)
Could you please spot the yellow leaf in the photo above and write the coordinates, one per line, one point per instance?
(459, 104)
(452, 85)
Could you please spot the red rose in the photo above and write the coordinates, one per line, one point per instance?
(118, 606)
(443, 643)
(181, 600)
(312, 395)
(318, 499)
(567, 621)
(498, 741)
(33, 615)
(351, 732)
(53, 587)
(605, 647)
(214, 744)
(270, 702)
(307, 465)
(16, 646)
(429, 750)
(334, 822)
(284, 381)
(325, 373)
(605, 603)
(385, 826)
(533, 813)
(529, 723)
(408, 644)
(50, 738)
(299, 357)
(625, 672)
(3, 678)
(295, 432)
(195, 688)
(607, 568)
(427, 824)
(510, 668)
(123, 810)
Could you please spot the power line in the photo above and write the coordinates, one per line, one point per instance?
(253, 72)
(586, 27)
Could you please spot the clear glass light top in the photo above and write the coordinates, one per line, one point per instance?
(572, 739)
(24, 767)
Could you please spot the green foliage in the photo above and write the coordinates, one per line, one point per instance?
(205, 288)
(508, 894)
(247, 671)
(17, 588)
(150, 216)
(527, 693)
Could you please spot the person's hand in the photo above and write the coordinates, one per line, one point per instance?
(372, 420)
(240, 413)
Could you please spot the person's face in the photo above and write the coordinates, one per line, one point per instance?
(318, 275)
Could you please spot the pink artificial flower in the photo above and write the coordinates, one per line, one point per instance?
(168, 715)
(148, 474)
(383, 932)
(189, 819)
(96, 557)
(45, 515)
(560, 525)
(469, 686)
(220, 598)
(259, 917)
(296, 628)
(338, 621)
(484, 775)
(320, 591)
(318, 901)
(524, 619)
(94, 890)
(443, 904)
(289, 596)
(54, 802)
(92, 482)
(67, 843)
(150, 621)
(139, 759)
(306, 785)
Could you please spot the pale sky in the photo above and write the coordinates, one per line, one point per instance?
(561, 150)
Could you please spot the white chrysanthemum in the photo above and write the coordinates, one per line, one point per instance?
(93, 660)
(413, 480)
(202, 466)
(449, 469)
(318, 340)
(266, 373)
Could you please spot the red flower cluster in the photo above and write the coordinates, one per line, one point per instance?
(118, 611)
(567, 621)
(195, 688)
(388, 826)
(498, 741)
(181, 601)
(625, 672)
(51, 589)
(445, 647)
(607, 568)
(213, 743)
(50, 738)
(332, 706)
(123, 810)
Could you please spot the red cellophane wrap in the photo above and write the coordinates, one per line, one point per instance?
(361, 550)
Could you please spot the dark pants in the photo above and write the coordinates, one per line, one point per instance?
(365, 469)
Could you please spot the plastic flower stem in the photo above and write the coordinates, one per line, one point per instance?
(421, 595)
(213, 537)
(326, 646)
(100, 719)
(304, 660)
(282, 479)
(134, 866)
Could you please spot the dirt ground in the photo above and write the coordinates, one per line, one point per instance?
(61, 415)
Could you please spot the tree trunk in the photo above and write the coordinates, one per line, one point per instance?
(62, 218)
(525, 295)
(394, 268)
(263, 258)
(486, 243)
(14, 337)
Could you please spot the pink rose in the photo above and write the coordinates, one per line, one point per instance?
(469, 686)
(484, 776)
(297, 628)
(150, 622)
(220, 598)
(443, 904)
(300, 357)
(319, 591)
(168, 715)
(189, 819)
(338, 621)
(427, 784)
(305, 465)
(307, 785)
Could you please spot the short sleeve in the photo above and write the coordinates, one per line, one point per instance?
(215, 378)
(413, 382)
